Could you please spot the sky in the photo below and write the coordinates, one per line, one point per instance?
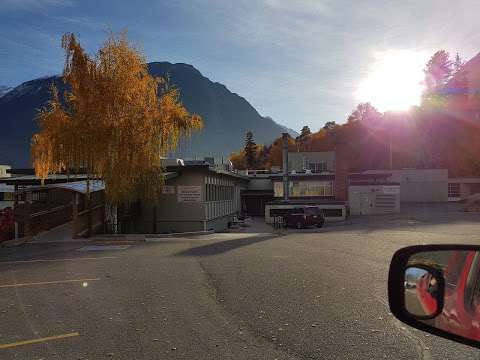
(302, 62)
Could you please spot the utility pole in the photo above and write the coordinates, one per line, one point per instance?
(285, 165)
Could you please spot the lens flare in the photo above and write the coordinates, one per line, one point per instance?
(395, 80)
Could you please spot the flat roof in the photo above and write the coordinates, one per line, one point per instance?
(304, 176)
(465, 180)
(7, 188)
(367, 183)
(368, 175)
(34, 180)
(58, 179)
(80, 186)
(206, 167)
(307, 201)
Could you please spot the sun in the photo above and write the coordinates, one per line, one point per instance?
(394, 81)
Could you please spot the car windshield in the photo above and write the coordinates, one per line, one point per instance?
(206, 179)
(312, 211)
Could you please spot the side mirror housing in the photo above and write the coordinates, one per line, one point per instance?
(436, 288)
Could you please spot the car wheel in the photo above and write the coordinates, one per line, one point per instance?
(319, 225)
(299, 225)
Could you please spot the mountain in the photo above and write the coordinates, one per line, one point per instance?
(4, 90)
(227, 116)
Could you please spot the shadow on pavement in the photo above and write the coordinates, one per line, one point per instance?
(225, 246)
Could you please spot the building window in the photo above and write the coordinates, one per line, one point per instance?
(7, 196)
(305, 188)
(218, 192)
(318, 167)
(454, 190)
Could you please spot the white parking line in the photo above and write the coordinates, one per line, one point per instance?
(57, 260)
(49, 282)
(40, 340)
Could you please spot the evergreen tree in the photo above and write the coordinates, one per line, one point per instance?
(250, 150)
(438, 71)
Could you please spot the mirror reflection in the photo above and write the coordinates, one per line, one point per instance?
(460, 269)
(421, 292)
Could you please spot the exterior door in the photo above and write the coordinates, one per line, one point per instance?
(365, 204)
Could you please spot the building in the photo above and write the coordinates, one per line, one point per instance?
(4, 171)
(196, 197)
(310, 181)
(7, 193)
(460, 189)
(316, 162)
(418, 185)
(373, 193)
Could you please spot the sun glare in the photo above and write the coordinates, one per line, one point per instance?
(394, 81)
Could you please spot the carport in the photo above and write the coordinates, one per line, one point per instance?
(40, 208)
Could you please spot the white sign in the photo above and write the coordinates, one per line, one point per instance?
(392, 190)
(189, 193)
(168, 189)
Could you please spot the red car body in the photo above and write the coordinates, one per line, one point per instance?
(461, 310)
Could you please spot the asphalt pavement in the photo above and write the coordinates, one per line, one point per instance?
(318, 294)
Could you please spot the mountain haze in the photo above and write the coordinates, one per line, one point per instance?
(227, 116)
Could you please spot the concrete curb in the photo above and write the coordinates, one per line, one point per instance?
(147, 237)
(166, 237)
(15, 242)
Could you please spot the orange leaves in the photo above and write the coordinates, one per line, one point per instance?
(115, 122)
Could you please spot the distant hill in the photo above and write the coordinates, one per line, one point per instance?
(227, 116)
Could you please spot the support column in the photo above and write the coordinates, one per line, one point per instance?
(74, 214)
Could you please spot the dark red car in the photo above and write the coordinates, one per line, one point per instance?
(305, 216)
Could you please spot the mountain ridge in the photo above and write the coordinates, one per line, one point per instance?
(227, 115)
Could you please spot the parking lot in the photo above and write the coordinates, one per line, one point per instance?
(252, 294)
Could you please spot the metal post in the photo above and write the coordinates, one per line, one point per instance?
(285, 165)
(391, 155)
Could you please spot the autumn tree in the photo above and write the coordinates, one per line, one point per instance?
(115, 123)
(250, 150)
(238, 160)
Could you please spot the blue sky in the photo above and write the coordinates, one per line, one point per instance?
(300, 62)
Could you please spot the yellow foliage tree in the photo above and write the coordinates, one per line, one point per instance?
(115, 123)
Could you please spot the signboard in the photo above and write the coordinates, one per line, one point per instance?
(189, 193)
(168, 190)
(391, 190)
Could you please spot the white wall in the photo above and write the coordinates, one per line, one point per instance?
(419, 185)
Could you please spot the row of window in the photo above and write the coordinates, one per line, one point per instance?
(218, 192)
(454, 190)
(7, 196)
(305, 188)
(318, 167)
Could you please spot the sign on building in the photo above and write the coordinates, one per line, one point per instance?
(168, 189)
(189, 193)
(391, 190)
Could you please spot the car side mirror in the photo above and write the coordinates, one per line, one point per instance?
(436, 288)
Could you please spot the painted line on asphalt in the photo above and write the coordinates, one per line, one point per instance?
(39, 340)
(58, 260)
(48, 282)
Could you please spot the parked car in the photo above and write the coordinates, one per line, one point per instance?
(305, 216)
